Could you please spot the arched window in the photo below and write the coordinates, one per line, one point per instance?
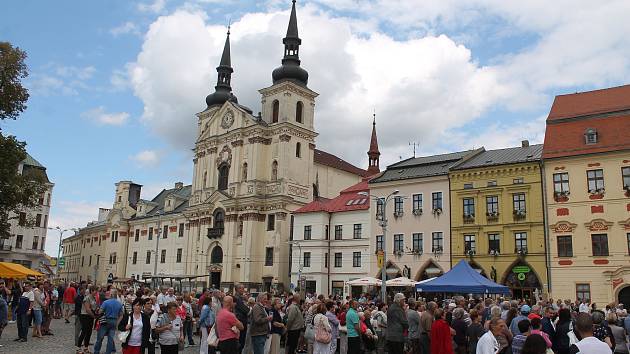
(245, 171)
(224, 171)
(216, 256)
(205, 180)
(218, 218)
(274, 171)
(298, 150)
(298, 112)
(276, 111)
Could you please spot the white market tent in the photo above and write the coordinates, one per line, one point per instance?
(367, 281)
(401, 282)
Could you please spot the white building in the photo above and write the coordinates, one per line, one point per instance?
(27, 242)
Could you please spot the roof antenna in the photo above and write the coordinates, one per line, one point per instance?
(414, 144)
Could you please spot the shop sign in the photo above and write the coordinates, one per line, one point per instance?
(521, 269)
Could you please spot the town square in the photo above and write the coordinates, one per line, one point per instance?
(315, 176)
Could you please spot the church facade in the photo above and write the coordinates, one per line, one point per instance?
(250, 172)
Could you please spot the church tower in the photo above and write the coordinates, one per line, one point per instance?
(223, 90)
(373, 153)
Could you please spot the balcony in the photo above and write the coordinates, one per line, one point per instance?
(215, 232)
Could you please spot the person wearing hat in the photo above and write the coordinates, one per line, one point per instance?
(525, 310)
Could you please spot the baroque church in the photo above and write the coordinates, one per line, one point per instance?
(252, 171)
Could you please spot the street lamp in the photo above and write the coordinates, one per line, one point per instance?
(296, 243)
(59, 246)
(383, 224)
(157, 246)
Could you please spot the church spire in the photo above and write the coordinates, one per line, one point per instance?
(223, 89)
(290, 69)
(373, 153)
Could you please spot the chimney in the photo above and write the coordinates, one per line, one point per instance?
(179, 185)
(525, 143)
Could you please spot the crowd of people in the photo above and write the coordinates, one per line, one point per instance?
(143, 319)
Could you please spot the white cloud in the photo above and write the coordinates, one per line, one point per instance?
(54, 79)
(119, 80)
(146, 158)
(125, 28)
(101, 117)
(423, 88)
(70, 214)
(156, 6)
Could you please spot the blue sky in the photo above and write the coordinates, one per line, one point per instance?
(115, 84)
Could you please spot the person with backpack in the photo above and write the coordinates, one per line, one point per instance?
(323, 331)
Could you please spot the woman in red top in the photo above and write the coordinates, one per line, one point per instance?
(441, 334)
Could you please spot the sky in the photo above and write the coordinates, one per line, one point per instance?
(115, 85)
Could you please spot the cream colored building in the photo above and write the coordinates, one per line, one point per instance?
(28, 241)
(71, 251)
(587, 188)
(249, 173)
(418, 233)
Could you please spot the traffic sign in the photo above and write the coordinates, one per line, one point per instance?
(380, 258)
(62, 262)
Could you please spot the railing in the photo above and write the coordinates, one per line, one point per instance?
(215, 232)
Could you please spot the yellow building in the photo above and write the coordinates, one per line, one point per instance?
(587, 188)
(497, 219)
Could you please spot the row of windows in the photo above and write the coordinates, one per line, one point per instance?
(178, 257)
(599, 245)
(357, 231)
(19, 243)
(417, 202)
(594, 178)
(417, 240)
(338, 260)
(180, 232)
(224, 171)
(494, 243)
(38, 220)
(493, 183)
(519, 206)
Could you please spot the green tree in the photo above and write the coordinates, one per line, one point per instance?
(18, 191)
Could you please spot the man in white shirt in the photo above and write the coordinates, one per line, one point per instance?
(588, 344)
(584, 308)
(488, 343)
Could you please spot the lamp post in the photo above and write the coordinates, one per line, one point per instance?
(61, 231)
(157, 246)
(383, 224)
(299, 246)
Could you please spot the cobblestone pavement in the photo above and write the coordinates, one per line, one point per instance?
(61, 343)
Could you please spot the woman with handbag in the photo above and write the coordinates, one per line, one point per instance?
(149, 312)
(206, 321)
(135, 329)
(323, 336)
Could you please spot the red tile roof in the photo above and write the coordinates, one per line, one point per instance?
(327, 159)
(348, 200)
(591, 102)
(572, 115)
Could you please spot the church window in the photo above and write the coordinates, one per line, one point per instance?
(298, 112)
(205, 180)
(274, 171)
(218, 219)
(224, 171)
(276, 111)
(245, 171)
(298, 150)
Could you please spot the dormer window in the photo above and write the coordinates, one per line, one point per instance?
(590, 136)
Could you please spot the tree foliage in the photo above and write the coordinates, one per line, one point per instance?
(13, 95)
(18, 191)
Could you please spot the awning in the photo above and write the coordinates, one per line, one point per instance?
(401, 282)
(16, 271)
(364, 281)
(462, 279)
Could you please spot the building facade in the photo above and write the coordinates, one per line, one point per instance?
(587, 187)
(418, 231)
(249, 173)
(29, 229)
(497, 217)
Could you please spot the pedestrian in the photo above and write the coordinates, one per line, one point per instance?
(23, 312)
(228, 328)
(260, 323)
(277, 326)
(426, 321)
(525, 309)
(149, 312)
(4, 315)
(600, 330)
(68, 302)
(588, 344)
(460, 327)
(139, 327)
(333, 321)
(89, 311)
(474, 331)
(206, 321)
(488, 343)
(295, 324)
(535, 344)
(441, 334)
(563, 327)
(353, 328)
(241, 311)
(519, 340)
(111, 312)
(619, 334)
(38, 303)
(323, 331)
(413, 318)
(397, 324)
(77, 318)
(188, 319)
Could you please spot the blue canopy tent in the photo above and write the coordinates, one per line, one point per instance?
(462, 279)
